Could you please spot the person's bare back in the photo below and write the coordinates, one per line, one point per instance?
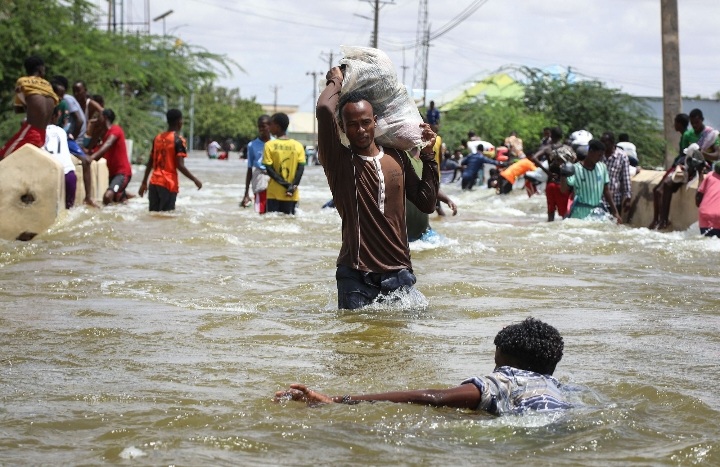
(39, 110)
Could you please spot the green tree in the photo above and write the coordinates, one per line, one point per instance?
(552, 100)
(590, 105)
(138, 75)
(221, 113)
(493, 119)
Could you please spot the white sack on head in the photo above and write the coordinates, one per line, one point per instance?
(371, 72)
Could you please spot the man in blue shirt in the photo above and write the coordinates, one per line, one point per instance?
(433, 116)
(256, 174)
(472, 165)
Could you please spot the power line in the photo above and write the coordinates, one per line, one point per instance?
(462, 16)
(424, 36)
(377, 4)
(284, 20)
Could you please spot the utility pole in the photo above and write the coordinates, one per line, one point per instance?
(376, 20)
(672, 97)
(112, 17)
(192, 119)
(427, 64)
(330, 58)
(422, 42)
(162, 17)
(314, 75)
(404, 67)
(377, 4)
(275, 90)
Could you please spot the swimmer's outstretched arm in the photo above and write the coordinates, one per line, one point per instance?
(466, 396)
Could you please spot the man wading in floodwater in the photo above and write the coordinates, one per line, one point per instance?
(369, 184)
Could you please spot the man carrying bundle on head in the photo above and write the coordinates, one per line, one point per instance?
(369, 184)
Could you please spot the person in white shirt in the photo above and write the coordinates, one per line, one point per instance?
(213, 149)
(630, 150)
(56, 143)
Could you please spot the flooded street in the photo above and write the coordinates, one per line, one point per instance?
(149, 339)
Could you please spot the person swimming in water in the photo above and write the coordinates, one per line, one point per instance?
(526, 355)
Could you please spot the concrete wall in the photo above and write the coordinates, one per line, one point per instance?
(99, 181)
(683, 212)
(32, 191)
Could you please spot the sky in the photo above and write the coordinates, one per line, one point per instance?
(278, 42)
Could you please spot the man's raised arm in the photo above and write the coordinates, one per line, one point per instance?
(328, 138)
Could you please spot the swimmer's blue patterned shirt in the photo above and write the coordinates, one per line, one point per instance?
(508, 391)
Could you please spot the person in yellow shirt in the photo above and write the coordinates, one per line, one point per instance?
(284, 160)
(36, 99)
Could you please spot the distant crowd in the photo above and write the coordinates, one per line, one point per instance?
(579, 175)
(582, 176)
(78, 125)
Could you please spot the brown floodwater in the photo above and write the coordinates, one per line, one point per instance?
(145, 339)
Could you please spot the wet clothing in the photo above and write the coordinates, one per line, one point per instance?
(166, 148)
(357, 289)
(283, 155)
(418, 222)
(472, 165)
(705, 232)
(589, 186)
(70, 189)
(118, 184)
(518, 169)
(510, 391)
(161, 199)
(709, 209)
(56, 143)
(117, 156)
(504, 187)
(556, 199)
(369, 194)
(285, 207)
(255, 150)
(260, 201)
(27, 134)
(618, 166)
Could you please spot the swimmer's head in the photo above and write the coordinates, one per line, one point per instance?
(530, 345)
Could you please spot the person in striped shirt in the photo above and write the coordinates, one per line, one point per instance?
(618, 165)
(590, 183)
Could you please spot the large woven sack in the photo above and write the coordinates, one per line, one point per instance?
(371, 72)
